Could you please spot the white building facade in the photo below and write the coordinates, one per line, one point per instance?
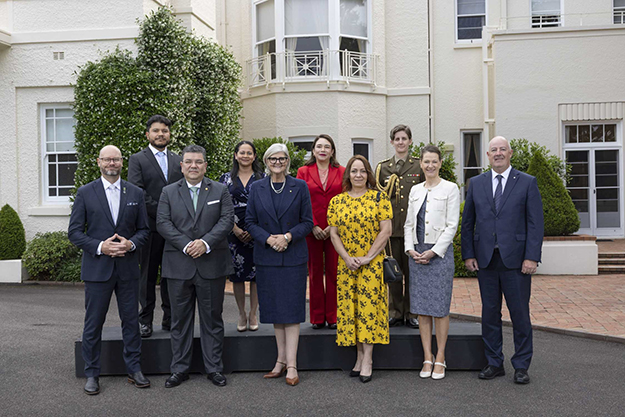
(461, 71)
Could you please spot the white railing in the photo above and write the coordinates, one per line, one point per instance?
(326, 65)
(551, 19)
(619, 15)
(546, 20)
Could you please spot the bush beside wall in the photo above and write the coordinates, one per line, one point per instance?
(297, 155)
(51, 256)
(12, 235)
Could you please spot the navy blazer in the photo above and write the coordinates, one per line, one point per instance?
(294, 215)
(518, 226)
(91, 211)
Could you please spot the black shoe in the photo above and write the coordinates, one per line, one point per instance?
(413, 322)
(318, 326)
(139, 380)
(166, 325)
(491, 372)
(521, 376)
(145, 330)
(217, 378)
(354, 374)
(332, 326)
(92, 387)
(365, 379)
(395, 322)
(176, 379)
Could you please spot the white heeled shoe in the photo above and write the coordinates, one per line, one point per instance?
(436, 375)
(427, 374)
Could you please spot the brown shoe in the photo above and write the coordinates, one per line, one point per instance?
(292, 381)
(276, 374)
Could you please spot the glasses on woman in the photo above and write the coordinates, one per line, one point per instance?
(278, 160)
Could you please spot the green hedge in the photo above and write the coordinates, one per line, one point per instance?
(448, 165)
(461, 270)
(12, 235)
(297, 155)
(51, 256)
(191, 80)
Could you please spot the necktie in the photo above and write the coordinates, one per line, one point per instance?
(399, 165)
(498, 193)
(113, 199)
(195, 190)
(160, 157)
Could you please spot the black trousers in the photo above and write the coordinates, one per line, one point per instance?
(151, 256)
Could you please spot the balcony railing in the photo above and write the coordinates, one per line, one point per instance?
(326, 65)
(553, 19)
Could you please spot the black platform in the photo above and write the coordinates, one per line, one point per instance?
(256, 351)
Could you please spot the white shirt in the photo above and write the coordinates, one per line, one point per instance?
(199, 184)
(505, 176)
(113, 196)
(155, 151)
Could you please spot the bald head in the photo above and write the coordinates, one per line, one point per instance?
(499, 154)
(110, 162)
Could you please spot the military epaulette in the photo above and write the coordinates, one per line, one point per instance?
(385, 160)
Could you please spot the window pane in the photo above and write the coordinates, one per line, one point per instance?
(606, 156)
(579, 168)
(354, 17)
(471, 7)
(64, 192)
(66, 174)
(577, 156)
(470, 27)
(597, 133)
(65, 130)
(542, 6)
(579, 194)
(619, 3)
(607, 194)
(67, 158)
(361, 149)
(584, 134)
(570, 134)
(49, 130)
(64, 113)
(610, 132)
(578, 181)
(265, 21)
(49, 112)
(306, 17)
(606, 180)
(52, 174)
(472, 150)
(51, 192)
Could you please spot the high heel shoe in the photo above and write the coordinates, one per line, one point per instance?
(436, 375)
(252, 327)
(354, 374)
(427, 374)
(292, 381)
(242, 327)
(366, 378)
(276, 374)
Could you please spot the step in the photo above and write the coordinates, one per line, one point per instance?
(612, 261)
(611, 255)
(256, 351)
(612, 269)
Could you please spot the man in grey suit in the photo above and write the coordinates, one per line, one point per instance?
(194, 217)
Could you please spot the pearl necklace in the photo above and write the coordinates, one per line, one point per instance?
(274, 188)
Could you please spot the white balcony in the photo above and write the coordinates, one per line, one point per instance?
(325, 66)
(554, 19)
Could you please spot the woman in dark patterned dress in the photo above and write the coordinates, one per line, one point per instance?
(431, 223)
(245, 170)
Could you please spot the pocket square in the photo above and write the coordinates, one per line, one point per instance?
(132, 203)
(212, 202)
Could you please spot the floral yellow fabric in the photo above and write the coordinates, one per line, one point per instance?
(362, 312)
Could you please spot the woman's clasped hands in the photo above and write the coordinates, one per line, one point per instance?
(421, 258)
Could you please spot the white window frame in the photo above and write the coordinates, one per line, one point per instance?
(549, 25)
(619, 13)
(469, 41)
(45, 197)
(481, 154)
(364, 141)
(303, 139)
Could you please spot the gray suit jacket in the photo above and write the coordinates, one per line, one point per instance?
(179, 224)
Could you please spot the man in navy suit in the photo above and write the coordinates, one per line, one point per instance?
(151, 169)
(109, 223)
(502, 235)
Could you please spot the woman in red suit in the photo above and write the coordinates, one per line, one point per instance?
(324, 176)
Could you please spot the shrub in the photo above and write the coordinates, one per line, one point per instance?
(448, 166)
(12, 235)
(461, 270)
(192, 81)
(69, 270)
(525, 150)
(47, 254)
(561, 217)
(297, 155)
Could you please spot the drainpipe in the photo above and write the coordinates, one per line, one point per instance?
(430, 75)
(224, 23)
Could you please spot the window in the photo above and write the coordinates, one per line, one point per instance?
(472, 156)
(545, 13)
(303, 142)
(587, 133)
(59, 156)
(471, 17)
(362, 147)
(353, 38)
(619, 12)
(266, 33)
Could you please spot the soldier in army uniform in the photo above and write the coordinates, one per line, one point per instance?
(396, 176)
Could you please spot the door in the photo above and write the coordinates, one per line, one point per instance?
(595, 188)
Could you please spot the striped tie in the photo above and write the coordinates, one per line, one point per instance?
(498, 193)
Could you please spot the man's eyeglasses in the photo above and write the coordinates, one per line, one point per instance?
(280, 160)
(107, 160)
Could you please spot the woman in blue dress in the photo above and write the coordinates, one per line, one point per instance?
(245, 170)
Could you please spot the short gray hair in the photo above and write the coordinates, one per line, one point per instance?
(274, 149)
(194, 149)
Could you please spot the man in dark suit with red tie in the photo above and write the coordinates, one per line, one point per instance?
(502, 235)
(151, 169)
(109, 223)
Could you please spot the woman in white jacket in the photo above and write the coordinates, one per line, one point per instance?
(431, 223)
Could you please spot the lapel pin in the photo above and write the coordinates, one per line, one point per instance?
(206, 189)
(290, 191)
(124, 190)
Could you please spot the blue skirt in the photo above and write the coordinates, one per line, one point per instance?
(282, 293)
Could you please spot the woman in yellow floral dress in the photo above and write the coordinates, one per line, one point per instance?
(361, 222)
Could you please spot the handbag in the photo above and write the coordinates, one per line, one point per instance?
(390, 266)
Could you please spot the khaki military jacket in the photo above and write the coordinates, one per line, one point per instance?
(397, 184)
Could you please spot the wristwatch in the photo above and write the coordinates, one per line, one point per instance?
(286, 238)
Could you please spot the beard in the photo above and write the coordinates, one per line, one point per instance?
(111, 172)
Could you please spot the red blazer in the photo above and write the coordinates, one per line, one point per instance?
(319, 197)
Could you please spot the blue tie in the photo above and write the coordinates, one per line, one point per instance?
(162, 162)
(498, 193)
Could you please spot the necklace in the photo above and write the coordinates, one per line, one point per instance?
(274, 188)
